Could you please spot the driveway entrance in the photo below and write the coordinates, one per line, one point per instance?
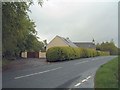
(32, 54)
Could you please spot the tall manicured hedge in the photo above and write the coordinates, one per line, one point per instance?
(69, 53)
(101, 53)
(62, 53)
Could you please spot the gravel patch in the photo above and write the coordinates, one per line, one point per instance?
(24, 63)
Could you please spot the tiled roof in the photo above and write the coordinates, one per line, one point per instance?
(68, 42)
(85, 44)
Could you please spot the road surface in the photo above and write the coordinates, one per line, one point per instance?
(68, 74)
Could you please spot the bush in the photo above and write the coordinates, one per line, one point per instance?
(70, 53)
(101, 53)
(53, 54)
(62, 53)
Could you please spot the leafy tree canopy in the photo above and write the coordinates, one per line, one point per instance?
(108, 46)
(18, 31)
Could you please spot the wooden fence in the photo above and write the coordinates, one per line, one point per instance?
(33, 54)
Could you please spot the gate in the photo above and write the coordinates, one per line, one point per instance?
(32, 54)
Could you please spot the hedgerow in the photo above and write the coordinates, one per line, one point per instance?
(70, 53)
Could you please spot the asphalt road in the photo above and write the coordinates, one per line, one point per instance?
(69, 74)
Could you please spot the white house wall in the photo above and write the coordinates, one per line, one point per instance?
(56, 42)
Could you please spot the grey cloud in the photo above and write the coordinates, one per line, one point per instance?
(78, 21)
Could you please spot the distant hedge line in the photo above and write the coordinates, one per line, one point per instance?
(70, 53)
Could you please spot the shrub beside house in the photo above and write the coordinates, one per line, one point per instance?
(70, 53)
(60, 49)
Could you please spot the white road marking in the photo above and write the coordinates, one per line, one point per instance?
(84, 80)
(88, 77)
(80, 62)
(78, 84)
(37, 73)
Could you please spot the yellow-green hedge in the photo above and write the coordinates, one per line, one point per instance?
(69, 53)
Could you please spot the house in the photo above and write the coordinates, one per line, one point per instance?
(61, 41)
(90, 45)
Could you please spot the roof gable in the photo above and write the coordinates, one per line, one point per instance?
(68, 42)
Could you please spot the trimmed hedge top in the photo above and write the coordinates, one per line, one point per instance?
(69, 53)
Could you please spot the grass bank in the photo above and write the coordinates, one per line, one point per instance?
(107, 75)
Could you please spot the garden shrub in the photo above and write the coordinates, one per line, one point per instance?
(53, 54)
(70, 53)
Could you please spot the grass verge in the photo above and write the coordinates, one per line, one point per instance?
(107, 75)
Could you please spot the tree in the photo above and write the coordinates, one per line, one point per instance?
(18, 31)
(108, 46)
(45, 45)
(98, 46)
(118, 51)
(32, 43)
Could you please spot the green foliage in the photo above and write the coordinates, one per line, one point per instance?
(18, 31)
(62, 53)
(53, 54)
(101, 53)
(108, 46)
(107, 75)
(86, 53)
(69, 53)
(118, 51)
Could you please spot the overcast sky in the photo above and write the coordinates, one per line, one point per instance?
(79, 20)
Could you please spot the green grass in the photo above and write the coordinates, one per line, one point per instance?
(107, 75)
